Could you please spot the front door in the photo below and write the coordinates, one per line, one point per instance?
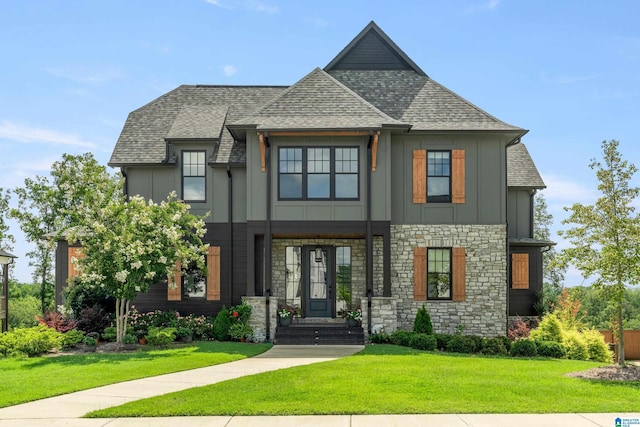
(319, 281)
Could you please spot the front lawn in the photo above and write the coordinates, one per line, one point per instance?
(385, 379)
(24, 380)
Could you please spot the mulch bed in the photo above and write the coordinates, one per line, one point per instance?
(609, 373)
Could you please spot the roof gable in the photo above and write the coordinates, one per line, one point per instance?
(199, 122)
(521, 171)
(372, 49)
(317, 101)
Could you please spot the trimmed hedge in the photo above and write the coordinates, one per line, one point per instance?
(423, 342)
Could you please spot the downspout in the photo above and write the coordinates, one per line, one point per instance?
(230, 213)
(267, 237)
(125, 187)
(369, 238)
(508, 249)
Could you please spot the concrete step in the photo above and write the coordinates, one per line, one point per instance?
(319, 334)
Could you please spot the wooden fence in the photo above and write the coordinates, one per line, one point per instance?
(631, 343)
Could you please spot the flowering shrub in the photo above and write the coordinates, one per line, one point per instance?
(201, 326)
(353, 314)
(286, 312)
(518, 328)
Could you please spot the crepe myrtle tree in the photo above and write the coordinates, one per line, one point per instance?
(129, 244)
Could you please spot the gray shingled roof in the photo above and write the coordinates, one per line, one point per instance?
(317, 101)
(521, 171)
(199, 122)
(142, 140)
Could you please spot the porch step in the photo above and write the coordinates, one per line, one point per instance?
(319, 334)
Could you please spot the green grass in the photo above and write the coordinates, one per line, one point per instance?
(385, 379)
(24, 380)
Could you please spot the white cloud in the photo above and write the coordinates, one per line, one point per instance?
(229, 70)
(563, 189)
(565, 80)
(87, 75)
(22, 133)
(252, 5)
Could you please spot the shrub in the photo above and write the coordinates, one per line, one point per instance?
(550, 349)
(129, 339)
(71, 338)
(201, 326)
(29, 341)
(183, 332)
(524, 347)
(90, 341)
(240, 331)
(57, 321)
(379, 338)
(422, 323)
(401, 337)
(109, 334)
(82, 295)
(506, 342)
(597, 348)
(575, 346)
(221, 325)
(423, 342)
(493, 346)
(93, 319)
(518, 328)
(549, 329)
(161, 336)
(240, 312)
(443, 341)
(461, 344)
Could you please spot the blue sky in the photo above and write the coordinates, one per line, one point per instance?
(569, 71)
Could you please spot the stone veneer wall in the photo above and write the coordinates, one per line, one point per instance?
(358, 287)
(384, 316)
(257, 321)
(484, 311)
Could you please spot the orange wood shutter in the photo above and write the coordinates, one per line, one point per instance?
(459, 274)
(174, 290)
(263, 159)
(374, 151)
(520, 271)
(213, 273)
(419, 176)
(73, 252)
(420, 274)
(457, 176)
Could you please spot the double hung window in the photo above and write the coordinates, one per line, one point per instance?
(193, 176)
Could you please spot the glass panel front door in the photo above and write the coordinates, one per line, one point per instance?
(319, 281)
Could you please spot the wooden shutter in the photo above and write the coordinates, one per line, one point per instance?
(174, 290)
(457, 176)
(420, 274)
(213, 273)
(73, 252)
(459, 274)
(520, 271)
(419, 176)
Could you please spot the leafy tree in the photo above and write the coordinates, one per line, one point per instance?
(605, 235)
(130, 244)
(552, 272)
(48, 206)
(6, 239)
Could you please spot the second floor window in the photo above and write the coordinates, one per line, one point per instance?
(438, 176)
(193, 176)
(318, 173)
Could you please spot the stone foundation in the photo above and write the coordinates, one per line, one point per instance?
(384, 315)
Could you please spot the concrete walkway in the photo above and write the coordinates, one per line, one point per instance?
(66, 410)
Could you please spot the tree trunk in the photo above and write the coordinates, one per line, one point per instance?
(122, 318)
(620, 337)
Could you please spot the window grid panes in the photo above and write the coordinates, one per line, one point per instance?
(293, 276)
(343, 278)
(318, 173)
(193, 176)
(439, 273)
(194, 283)
(439, 176)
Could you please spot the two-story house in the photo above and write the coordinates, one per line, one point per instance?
(365, 184)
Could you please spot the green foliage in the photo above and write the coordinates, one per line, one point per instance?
(240, 313)
(23, 311)
(129, 339)
(597, 348)
(575, 346)
(240, 331)
(379, 338)
(79, 296)
(161, 337)
(550, 349)
(493, 346)
(401, 337)
(109, 334)
(604, 236)
(29, 341)
(6, 239)
(71, 338)
(422, 323)
(421, 341)
(443, 341)
(89, 341)
(221, 325)
(524, 347)
(201, 326)
(462, 344)
(549, 329)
